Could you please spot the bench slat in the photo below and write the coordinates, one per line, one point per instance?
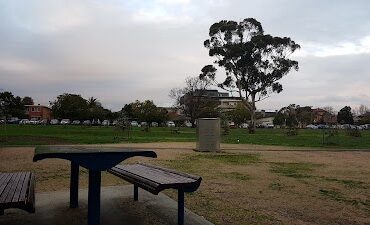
(26, 183)
(22, 186)
(12, 186)
(155, 179)
(156, 175)
(3, 183)
(17, 191)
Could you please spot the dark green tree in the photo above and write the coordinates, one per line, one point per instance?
(70, 106)
(254, 62)
(147, 111)
(27, 100)
(345, 115)
(11, 106)
(239, 115)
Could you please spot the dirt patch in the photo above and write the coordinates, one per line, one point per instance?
(243, 186)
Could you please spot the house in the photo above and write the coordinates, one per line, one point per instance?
(223, 100)
(39, 112)
(321, 116)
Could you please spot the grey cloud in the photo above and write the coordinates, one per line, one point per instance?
(102, 51)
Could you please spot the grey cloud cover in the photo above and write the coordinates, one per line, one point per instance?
(120, 51)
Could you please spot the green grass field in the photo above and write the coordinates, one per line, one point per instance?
(38, 135)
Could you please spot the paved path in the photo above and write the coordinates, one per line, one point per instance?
(117, 207)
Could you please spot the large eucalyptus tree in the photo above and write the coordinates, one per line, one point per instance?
(254, 62)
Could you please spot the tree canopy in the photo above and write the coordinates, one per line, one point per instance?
(254, 62)
(345, 116)
(11, 106)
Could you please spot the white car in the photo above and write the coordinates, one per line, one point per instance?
(170, 124)
(311, 126)
(65, 121)
(24, 121)
(154, 124)
(105, 123)
(86, 122)
(188, 124)
(54, 122)
(134, 123)
(76, 122)
(244, 125)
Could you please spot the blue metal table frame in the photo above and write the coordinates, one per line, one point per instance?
(95, 159)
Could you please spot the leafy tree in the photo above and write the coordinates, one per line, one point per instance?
(345, 116)
(304, 115)
(279, 119)
(11, 106)
(193, 99)
(70, 106)
(239, 115)
(254, 62)
(147, 111)
(27, 100)
(127, 110)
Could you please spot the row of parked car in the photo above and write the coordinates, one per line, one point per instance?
(34, 121)
(340, 126)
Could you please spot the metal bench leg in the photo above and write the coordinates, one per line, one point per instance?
(180, 208)
(73, 195)
(93, 217)
(136, 192)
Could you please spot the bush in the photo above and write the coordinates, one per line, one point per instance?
(292, 132)
(330, 137)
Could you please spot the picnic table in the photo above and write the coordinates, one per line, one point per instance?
(95, 159)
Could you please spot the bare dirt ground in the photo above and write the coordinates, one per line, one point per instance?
(245, 184)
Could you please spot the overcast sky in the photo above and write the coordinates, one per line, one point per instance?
(121, 50)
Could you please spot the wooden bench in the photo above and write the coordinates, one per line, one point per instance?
(17, 190)
(155, 179)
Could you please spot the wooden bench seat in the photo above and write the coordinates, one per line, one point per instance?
(17, 190)
(154, 179)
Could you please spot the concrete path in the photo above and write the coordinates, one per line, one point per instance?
(117, 208)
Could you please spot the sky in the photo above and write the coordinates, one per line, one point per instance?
(120, 51)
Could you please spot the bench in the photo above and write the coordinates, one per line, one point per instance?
(17, 190)
(155, 179)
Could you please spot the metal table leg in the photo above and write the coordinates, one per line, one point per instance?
(94, 198)
(73, 195)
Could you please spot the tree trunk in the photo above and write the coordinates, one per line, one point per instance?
(252, 125)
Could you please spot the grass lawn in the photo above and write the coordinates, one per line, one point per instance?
(243, 187)
(38, 135)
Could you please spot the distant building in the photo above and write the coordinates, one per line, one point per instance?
(38, 112)
(321, 116)
(223, 100)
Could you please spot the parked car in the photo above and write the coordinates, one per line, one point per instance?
(65, 121)
(154, 124)
(76, 122)
(86, 122)
(95, 122)
(43, 122)
(134, 123)
(115, 122)
(244, 125)
(170, 124)
(34, 121)
(2, 121)
(105, 123)
(13, 120)
(24, 121)
(54, 122)
(188, 124)
(311, 126)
